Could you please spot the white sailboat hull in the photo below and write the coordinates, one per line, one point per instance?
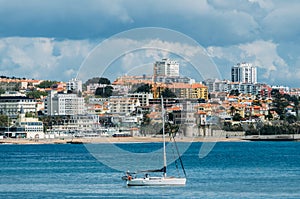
(157, 181)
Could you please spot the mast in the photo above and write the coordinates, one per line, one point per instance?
(164, 137)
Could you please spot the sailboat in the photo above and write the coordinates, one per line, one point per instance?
(163, 180)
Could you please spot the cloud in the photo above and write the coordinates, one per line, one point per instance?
(263, 54)
(92, 19)
(39, 58)
(137, 48)
(38, 35)
(280, 23)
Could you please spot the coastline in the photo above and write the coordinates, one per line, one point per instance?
(117, 140)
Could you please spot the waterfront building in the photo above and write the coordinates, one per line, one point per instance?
(11, 105)
(63, 104)
(25, 127)
(78, 125)
(244, 73)
(33, 128)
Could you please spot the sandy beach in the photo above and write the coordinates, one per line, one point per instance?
(115, 140)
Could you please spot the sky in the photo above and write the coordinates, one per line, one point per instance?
(53, 39)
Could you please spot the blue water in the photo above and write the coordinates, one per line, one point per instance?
(230, 170)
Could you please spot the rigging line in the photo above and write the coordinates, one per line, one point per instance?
(176, 163)
(179, 156)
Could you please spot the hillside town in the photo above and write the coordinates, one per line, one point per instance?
(131, 106)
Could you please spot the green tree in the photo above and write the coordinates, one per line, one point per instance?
(144, 88)
(232, 110)
(36, 94)
(2, 91)
(167, 93)
(291, 119)
(3, 120)
(104, 92)
(280, 102)
(30, 114)
(104, 80)
(46, 84)
(237, 117)
(234, 92)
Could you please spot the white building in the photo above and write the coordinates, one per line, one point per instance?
(216, 85)
(25, 127)
(244, 73)
(77, 124)
(12, 105)
(64, 104)
(142, 97)
(74, 85)
(123, 105)
(32, 126)
(166, 67)
(92, 87)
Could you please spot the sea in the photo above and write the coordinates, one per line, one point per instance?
(228, 170)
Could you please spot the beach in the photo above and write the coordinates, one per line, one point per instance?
(134, 139)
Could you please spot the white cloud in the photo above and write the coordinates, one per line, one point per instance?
(35, 57)
(130, 52)
(261, 53)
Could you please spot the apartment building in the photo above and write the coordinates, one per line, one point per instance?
(189, 91)
(244, 72)
(142, 97)
(123, 105)
(63, 104)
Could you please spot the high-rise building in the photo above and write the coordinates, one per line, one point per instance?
(63, 104)
(244, 73)
(166, 68)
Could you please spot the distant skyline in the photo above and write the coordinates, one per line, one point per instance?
(50, 39)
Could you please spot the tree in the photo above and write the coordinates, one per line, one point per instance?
(104, 91)
(291, 119)
(144, 88)
(269, 116)
(46, 84)
(104, 80)
(234, 92)
(3, 120)
(36, 94)
(280, 102)
(94, 80)
(167, 93)
(232, 110)
(30, 114)
(237, 117)
(2, 91)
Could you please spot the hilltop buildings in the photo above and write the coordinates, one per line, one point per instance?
(197, 105)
